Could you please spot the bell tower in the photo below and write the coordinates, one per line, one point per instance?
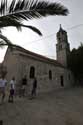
(62, 47)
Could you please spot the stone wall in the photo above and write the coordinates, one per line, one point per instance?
(19, 64)
(42, 73)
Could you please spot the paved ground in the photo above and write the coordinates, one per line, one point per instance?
(62, 107)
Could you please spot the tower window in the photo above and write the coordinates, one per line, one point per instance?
(32, 72)
(50, 74)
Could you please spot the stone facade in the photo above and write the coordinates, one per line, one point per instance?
(3, 70)
(51, 74)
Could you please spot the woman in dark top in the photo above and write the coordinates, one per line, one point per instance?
(24, 84)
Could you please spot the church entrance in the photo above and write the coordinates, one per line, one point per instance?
(61, 80)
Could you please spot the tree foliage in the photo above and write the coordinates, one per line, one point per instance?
(75, 62)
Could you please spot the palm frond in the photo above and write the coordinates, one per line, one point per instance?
(7, 21)
(2, 44)
(18, 25)
(24, 9)
(4, 41)
(29, 9)
(32, 28)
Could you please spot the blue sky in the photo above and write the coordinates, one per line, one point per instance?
(49, 26)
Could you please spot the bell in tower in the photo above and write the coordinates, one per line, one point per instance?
(62, 47)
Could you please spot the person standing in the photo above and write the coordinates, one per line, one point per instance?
(24, 84)
(34, 87)
(12, 90)
(3, 83)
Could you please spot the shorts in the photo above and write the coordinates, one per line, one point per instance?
(2, 90)
(11, 91)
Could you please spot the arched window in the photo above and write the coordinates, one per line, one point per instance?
(50, 74)
(32, 72)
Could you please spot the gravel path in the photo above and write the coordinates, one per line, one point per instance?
(60, 107)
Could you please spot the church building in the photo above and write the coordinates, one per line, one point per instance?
(51, 74)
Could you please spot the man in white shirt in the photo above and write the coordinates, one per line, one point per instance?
(3, 83)
(12, 90)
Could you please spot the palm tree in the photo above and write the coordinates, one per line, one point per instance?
(17, 11)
